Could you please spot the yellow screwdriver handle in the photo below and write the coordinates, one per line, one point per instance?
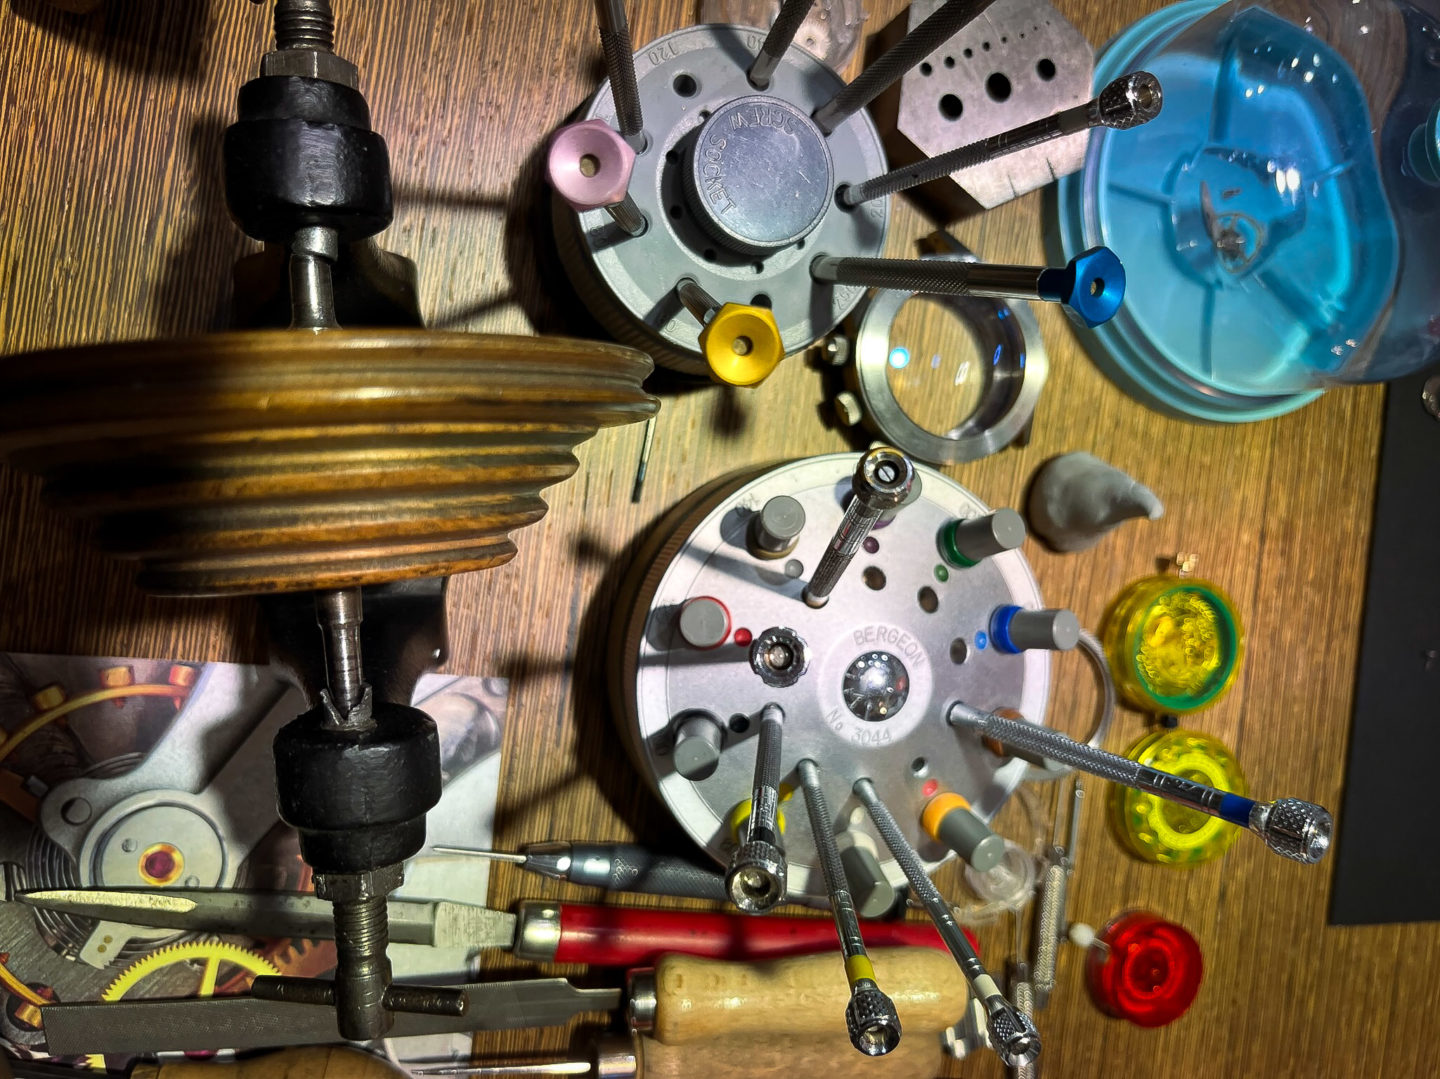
(742, 344)
(313, 1062)
(698, 999)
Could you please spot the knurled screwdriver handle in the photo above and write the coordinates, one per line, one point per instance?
(632, 868)
(1293, 828)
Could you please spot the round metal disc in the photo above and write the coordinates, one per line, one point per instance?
(760, 176)
(881, 661)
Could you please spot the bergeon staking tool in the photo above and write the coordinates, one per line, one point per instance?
(746, 141)
(1012, 1033)
(1293, 828)
(870, 1016)
(1129, 101)
(711, 627)
(756, 877)
(882, 481)
(309, 462)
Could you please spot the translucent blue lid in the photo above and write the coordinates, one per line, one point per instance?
(1261, 216)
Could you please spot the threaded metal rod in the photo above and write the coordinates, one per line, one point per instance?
(882, 481)
(304, 24)
(362, 969)
(1290, 827)
(1011, 1033)
(772, 50)
(1126, 102)
(628, 216)
(870, 1015)
(620, 65)
(941, 276)
(919, 43)
(696, 300)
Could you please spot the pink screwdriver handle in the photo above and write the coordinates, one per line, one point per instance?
(589, 165)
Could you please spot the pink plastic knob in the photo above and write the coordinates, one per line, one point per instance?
(590, 164)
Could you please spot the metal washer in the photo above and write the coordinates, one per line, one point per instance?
(1004, 330)
(628, 283)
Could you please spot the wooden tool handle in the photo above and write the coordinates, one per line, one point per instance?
(918, 1056)
(314, 1062)
(698, 999)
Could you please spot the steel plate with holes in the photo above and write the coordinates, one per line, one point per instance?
(1006, 337)
(1017, 62)
(883, 658)
(684, 79)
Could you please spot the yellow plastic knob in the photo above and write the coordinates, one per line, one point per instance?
(742, 344)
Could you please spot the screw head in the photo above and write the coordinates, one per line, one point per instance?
(756, 880)
(1131, 100)
(872, 1022)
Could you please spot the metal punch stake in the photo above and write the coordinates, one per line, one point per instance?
(1012, 1033)
(1293, 828)
(1128, 101)
(870, 1015)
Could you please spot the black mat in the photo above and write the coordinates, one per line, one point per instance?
(1386, 866)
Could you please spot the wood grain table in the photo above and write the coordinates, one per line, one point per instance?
(113, 226)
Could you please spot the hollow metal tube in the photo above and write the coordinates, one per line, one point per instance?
(772, 50)
(940, 276)
(620, 65)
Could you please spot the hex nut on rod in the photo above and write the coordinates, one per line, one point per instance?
(589, 165)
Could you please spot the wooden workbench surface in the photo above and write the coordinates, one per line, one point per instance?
(113, 225)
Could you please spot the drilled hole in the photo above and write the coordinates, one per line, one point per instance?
(928, 600)
(998, 87)
(1097, 286)
(874, 578)
(949, 61)
(919, 766)
(951, 107)
(685, 85)
(926, 69)
(959, 650)
(676, 212)
(589, 164)
(672, 156)
(709, 254)
(760, 299)
(969, 53)
(871, 545)
(758, 267)
(739, 724)
(742, 345)
(1045, 69)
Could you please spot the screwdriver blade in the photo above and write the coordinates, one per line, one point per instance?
(153, 1026)
(440, 924)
